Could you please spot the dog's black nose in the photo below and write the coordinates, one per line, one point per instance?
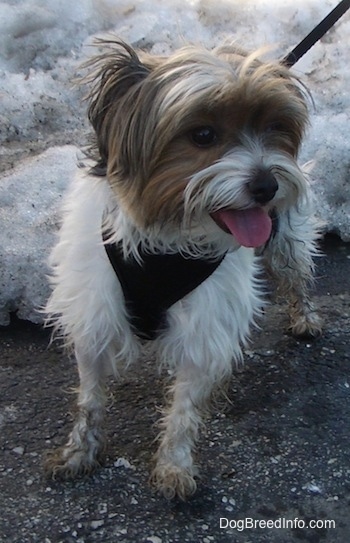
(263, 187)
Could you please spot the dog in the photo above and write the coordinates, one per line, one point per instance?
(190, 189)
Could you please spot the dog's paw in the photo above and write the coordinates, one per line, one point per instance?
(171, 481)
(67, 463)
(307, 325)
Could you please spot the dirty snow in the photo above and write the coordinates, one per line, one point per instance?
(43, 123)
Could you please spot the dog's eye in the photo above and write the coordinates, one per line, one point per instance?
(204, 136)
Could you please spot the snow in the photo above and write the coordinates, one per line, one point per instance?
(29, 196)
(43, 121)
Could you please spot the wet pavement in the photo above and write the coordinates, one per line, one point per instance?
(276, 450)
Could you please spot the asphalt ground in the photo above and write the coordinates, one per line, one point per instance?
(274, 456)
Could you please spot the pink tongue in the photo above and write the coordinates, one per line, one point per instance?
(250, 227)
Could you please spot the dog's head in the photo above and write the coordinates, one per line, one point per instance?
(201, 139)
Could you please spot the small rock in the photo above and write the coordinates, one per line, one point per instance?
(312, 487)
(123, 463)
(96, 524)
(154, 539)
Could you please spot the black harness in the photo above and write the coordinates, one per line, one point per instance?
(153, 286)
(160, 280)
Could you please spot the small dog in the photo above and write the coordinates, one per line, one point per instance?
(192, 187)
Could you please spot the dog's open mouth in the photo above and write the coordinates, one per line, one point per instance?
(250, 227)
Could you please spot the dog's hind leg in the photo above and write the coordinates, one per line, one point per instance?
(289, 259)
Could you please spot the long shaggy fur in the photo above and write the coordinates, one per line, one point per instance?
(178, 140)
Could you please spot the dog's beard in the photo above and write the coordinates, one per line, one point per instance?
(221, 191)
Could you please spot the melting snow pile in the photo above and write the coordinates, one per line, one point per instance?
(43, 121)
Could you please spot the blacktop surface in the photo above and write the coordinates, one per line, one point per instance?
(274, 456)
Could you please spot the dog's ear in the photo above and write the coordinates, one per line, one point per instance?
(114, 73)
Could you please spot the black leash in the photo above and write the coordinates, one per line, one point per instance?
(316, 34)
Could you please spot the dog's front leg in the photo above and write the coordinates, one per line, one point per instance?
(83, 450)
(175, 470)
(289, 258)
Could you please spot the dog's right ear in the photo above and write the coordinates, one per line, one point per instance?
(114, 73)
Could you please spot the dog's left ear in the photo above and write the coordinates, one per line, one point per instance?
(115, 73)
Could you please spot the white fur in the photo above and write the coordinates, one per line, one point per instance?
(87, 305)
